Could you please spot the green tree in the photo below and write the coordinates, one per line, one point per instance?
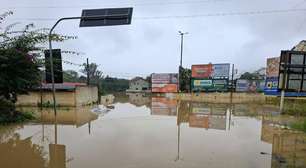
(185, 76)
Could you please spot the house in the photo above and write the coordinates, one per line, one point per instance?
(67, 94)
(138, 84)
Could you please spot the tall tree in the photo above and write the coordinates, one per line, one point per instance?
(21, 54)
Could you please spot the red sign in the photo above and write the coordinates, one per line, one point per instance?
(201, 71)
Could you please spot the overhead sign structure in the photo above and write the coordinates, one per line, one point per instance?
(106, 17)
(91, 18)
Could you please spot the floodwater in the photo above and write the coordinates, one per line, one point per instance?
(155, 132)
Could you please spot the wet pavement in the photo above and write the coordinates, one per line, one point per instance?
(155, 132)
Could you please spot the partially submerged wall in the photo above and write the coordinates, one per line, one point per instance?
(33, 98)
(86, 95)
(222, 97)
(82, 95)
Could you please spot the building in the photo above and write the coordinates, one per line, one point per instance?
(67, 94)
(138, 84)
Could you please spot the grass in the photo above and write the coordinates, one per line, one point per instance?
(301, 126)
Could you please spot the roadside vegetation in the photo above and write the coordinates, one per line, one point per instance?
(301, 126)
(21, 57)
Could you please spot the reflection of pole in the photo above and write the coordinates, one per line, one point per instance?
(178, 141)
(178, 130)
(89, 126)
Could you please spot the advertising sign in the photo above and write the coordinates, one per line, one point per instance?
(220, 84)
(272, 67)
(201, 71)
(164, 78)
(271, 86)
(204, 83)
(243, 85)
(220, 70)
(164, 88)
(164, 106)
(209, 85)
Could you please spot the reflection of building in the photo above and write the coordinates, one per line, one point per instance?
(202, 115)
(67, 94)
(71, 116)
(163, 106)
(139, 99)
(138, 84)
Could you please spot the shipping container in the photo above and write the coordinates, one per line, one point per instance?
(201, 71)
(164, 88)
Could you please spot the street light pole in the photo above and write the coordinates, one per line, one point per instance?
(97, 17)
(181, 60)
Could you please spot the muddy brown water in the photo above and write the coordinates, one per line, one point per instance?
(155, 132)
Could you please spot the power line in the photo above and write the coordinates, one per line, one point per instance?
(121, 4)
(221, 14)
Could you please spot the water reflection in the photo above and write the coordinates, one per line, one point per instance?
(288, 146)
(144, 131)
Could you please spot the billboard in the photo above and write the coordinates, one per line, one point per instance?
(243, 85)
(164, 106)
(272, 67)
(220, 70)
(164, 78)
(209, 84)
(164, 88)
(201, 71)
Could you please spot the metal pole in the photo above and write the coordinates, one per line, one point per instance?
(52, 72)
(284, 86)
(182, 41)
(87, 68)
(232, 83)
(181, 60)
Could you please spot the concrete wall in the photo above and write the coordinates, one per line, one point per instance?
(222, 97)
(63, 98)
(82, 95)
(86, 95)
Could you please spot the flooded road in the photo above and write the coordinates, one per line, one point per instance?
(155, 132)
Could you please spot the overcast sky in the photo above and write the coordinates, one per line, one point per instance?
(152, 43)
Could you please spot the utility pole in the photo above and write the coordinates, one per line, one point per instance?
(181, 60)
(87, 68)
(232, 83)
